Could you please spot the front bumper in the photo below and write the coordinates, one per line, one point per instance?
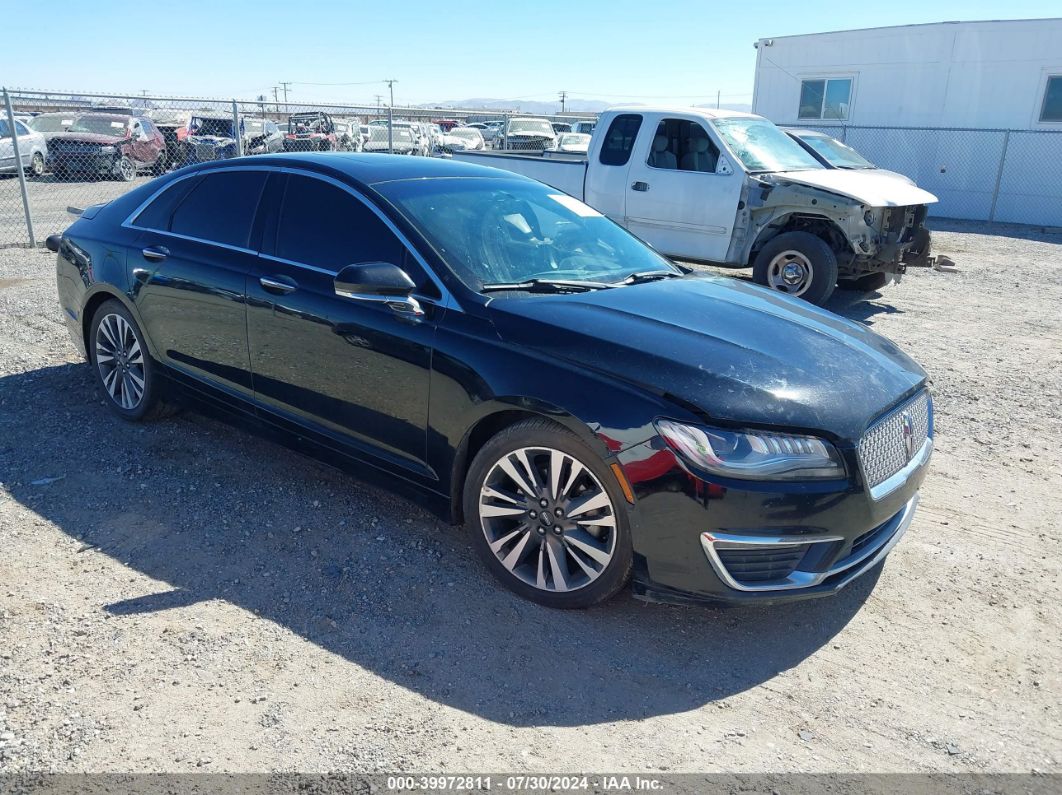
(83, 162)
(758, 542)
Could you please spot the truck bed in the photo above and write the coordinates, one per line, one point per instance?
(563, 174)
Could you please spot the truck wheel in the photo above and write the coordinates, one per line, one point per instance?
(797, 263)
(865, 284)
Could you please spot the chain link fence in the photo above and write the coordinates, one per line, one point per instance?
(1009, 176)
(81, 149)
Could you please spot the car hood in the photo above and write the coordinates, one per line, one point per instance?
(92, 138)
(740, 354)
(876, 188)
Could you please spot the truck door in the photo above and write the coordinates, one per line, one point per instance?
(606, 183)
(682, 194)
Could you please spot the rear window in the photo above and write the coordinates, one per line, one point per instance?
(221, 208)
(619, 140)
(159, 213)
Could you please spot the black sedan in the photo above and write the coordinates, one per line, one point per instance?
(518, 363)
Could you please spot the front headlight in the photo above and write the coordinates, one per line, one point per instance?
(753, 455)
(107, 150)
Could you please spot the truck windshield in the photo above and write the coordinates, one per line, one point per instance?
(762, 146)
(835, 153)
(491, 231)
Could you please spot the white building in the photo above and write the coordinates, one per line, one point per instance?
(985, 97)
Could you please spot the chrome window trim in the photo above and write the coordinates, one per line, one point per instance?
(806, 579)
(445, 298)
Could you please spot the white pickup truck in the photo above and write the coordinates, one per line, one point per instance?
(733, 189)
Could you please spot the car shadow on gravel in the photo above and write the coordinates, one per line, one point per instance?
(219, 514)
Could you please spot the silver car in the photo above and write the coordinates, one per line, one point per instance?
(31, 146)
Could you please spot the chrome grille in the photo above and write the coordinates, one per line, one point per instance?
(884, 449)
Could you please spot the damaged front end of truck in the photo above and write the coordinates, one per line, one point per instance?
(874, 224)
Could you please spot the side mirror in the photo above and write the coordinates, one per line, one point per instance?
(380, 282)
(373, 278)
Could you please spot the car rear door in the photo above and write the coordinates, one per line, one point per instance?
(681, 200)
(189, 269)
(347, 371)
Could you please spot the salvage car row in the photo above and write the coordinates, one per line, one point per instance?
(120, 143)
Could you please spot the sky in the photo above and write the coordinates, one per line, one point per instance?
(675, 52)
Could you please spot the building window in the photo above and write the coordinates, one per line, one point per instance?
(825, 99)
(1052, 107)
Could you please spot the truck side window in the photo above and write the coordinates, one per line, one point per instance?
(619, 140)
(684, 145)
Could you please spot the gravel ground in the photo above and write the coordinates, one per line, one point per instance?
(183, 596)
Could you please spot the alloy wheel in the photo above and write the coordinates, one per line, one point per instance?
(37, 164)
(120, 361)
(548, 519)
(790, 272)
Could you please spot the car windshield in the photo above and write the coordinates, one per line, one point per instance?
(379, 134)
(253, 125)
(835, 153)
(762, 146)
(574, 139)
(533, 126)
(491, 231)
(467, 134)
(200, 125)
(113, 126)
(52, 122)
(168, 116)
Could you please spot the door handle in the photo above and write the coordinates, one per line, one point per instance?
(278, 287)
(640, 186)
(155, 253)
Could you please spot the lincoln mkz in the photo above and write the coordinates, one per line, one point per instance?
(595, 414)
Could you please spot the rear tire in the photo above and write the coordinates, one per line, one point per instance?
(122, 367)
(556, 530)
(797, 263)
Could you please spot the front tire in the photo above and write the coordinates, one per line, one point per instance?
(799, 264)
(122, 367)
(37, 165)
(125, 169)
(547, 516)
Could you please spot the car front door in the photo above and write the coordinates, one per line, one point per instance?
(189, 269)
(606, 180)
(7, 146)
(682, 194)
(350, 371)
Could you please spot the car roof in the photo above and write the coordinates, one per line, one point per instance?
(369, 169)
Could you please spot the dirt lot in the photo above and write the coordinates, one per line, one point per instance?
(183, 596)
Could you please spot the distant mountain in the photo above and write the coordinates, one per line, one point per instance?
(551, 108)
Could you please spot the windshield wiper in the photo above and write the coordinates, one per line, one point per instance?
(546, 286)
(649, 276)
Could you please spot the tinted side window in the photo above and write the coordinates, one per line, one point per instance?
(619, 140)
(159, 213)
(324, 226)
(221, 208)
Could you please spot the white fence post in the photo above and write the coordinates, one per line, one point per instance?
(999, 175)
(236, 129)
(18, 166)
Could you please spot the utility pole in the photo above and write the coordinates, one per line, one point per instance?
(391, 88)
(563, 98)
(276, 100)
(285, 84)
(379, 99)
(717, 95)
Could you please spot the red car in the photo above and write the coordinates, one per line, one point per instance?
(108, 145)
